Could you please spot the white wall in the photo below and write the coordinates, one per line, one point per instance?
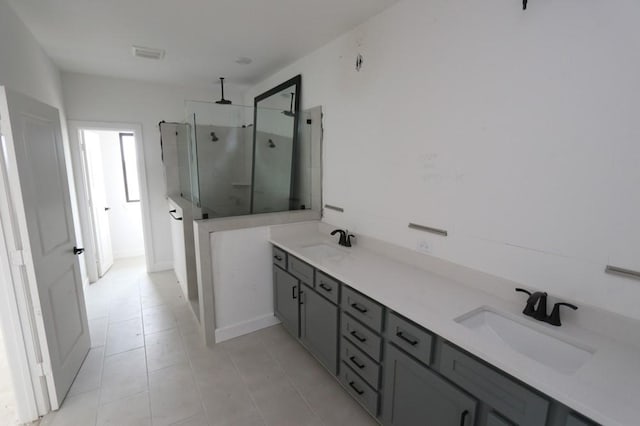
(93, 98)
(243, 296)
(25, 68)
(125, 218)
(517, 131)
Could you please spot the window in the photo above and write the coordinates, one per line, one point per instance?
(130, 167)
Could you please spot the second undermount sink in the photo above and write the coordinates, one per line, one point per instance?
(323, 250)
(511, 332)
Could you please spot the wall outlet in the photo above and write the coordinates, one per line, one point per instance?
(423, 246)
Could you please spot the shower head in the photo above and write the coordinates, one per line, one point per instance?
(222, 100)
(290, 113)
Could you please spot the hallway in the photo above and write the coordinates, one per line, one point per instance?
(148, 365)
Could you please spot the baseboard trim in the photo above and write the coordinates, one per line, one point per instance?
(245, 327)
(127, 254)
(160, 266)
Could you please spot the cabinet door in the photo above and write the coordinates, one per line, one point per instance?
(414, 395)
(319, 327)
(286, 305)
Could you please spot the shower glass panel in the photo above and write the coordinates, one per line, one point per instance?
(222, 143)
(186, 163)
(234, 168)
(276, 121)
(273, 166)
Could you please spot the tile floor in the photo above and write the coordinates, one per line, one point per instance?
(148, 366)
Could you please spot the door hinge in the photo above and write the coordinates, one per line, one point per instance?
(17, 258)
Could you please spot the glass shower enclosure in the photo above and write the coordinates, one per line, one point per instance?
(228, 167)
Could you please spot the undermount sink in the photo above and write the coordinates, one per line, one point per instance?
(511, 332)
(323, 250)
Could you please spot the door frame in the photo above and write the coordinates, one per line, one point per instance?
(20, 321)
(75, 128)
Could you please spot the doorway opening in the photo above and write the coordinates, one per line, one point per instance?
(113, 201)
(110, 169)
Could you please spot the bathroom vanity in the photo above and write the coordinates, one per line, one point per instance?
(413, 347)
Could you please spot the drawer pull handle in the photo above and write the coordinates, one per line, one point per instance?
(355, 388)
(293, 292)
(463, 417)
(278, 258)
(358, 336)
(325, 287)
(359, 308)
(355, 362)
(409, 340)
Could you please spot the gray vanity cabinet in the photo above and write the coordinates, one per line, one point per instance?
(575, 420)
(319, 327)
(401, 373)
(286, 306)
(414, 394)
(515, 402)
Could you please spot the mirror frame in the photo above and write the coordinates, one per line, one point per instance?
(293, 82)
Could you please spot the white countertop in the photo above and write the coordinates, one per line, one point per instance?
(606, 388)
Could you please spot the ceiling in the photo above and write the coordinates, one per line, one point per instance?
(202, 38)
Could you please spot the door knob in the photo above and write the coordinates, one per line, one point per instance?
(106, 209)
(77, 251)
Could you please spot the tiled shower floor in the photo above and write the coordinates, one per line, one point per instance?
(149, 366)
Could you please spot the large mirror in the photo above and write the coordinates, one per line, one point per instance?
(276, 118)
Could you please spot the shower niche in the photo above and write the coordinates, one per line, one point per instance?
(236, 160)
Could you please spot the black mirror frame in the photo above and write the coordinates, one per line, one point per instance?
(293, 82)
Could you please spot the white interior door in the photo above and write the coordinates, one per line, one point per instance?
(40, 196)
(100, 210)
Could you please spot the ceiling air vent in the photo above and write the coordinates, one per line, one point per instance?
(147, 52)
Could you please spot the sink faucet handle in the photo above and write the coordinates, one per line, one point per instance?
(554, 318)
(522, 290)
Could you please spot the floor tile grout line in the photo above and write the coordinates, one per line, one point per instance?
(253, 400)
(146, 358)
(193, 376)
(292, 383)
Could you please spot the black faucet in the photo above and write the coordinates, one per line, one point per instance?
(345, 237)
(554, 318)
(539, 298)
(540, 312)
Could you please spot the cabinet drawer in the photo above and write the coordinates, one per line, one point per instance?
(574, 420)
(514, 401)
(359, 389)
(414, 340)
(415, 395)
(365, 339)
(301, 270)
(279, 257)
(327, 286)
(495, 420)
(362, 308)
(367, 368)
